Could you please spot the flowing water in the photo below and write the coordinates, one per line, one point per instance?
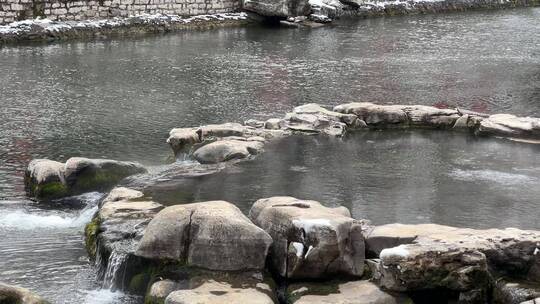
(119, 98)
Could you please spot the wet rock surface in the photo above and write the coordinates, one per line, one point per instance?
(430, 256)
(353, 292)
(18, 295)
(212, 235)
(310, 240)
(46, 179)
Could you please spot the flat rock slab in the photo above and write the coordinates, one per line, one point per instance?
(510, 126)
(310, 240)
(212, 292)
(213, 235)
(354, 292)
(429, 256)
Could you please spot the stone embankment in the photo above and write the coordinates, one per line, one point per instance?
(290, 250)
(49, 30)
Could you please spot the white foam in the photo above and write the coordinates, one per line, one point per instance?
(23, 220)
(102, 296)
(499, 177)
(299, 247)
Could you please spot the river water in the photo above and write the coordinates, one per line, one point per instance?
(119, 98)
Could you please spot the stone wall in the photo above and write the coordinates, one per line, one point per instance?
(14, 10)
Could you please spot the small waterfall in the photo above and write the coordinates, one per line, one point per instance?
(115, 270)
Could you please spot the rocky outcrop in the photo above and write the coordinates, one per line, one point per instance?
(15, 294)
(353, 292)
(310, 240)
(507, 125)
(212, 235)
(277, 8)
(46, 179)
(229, 149)
(429, 256)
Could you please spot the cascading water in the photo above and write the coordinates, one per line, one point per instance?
(115, 269)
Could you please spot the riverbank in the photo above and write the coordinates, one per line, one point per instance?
(46, 30)
(318, 14)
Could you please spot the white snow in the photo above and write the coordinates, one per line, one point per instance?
(299, 247)
(309, 224)
(394, 252)
(536, 251)
(50, 26)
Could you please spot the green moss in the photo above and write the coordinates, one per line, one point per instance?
(90, 232)
(50, 190)
(138, 282)
(94, 180)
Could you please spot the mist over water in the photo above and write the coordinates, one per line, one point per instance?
(118, 99)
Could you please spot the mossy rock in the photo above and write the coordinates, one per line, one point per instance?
(90, 232)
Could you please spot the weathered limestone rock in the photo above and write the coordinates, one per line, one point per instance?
(354, 292)
(515, 292)
(425, 116)
(274, 124)
(212, 292)
(120, 222)
(46, 179)
(315, 109)
(277, 8)
(510, 126)
(375, 115)
(429, 256)
(314, 124)
(84, 174)
(310, 240)
(534, 301)
(212, 235)
(228, 149)
(181, 139)
(18, 295)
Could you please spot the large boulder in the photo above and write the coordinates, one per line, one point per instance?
(228, 149)
(18, 295)
(429, 256)
(278, 8)
(375, 115)
(181, 139)
(310, 240)
(212, 235)
(46, 179)
(507, 125)
(218, 292)
(315, 109)
(353, 292)
(85, 174)
(385, 116)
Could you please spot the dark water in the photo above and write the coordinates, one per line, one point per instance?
(118, 99)
(386, 176)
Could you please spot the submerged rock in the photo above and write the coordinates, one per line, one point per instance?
(225, 150)
(354, 292)
(18, 295)
(429, 256)
(212, 235)
(46, 179)
(310, 240)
